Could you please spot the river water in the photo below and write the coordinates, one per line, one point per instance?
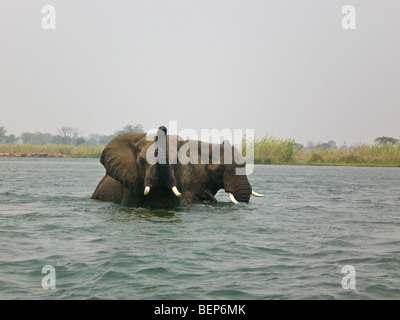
(291, 244)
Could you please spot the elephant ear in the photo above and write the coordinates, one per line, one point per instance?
(119, 158)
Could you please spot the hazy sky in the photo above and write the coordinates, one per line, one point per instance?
(286, 68)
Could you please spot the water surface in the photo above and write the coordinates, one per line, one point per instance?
(291, 244)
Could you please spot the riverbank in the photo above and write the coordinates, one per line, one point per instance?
(33, 155)
(272, 150)
(266, 151)
(50, 150)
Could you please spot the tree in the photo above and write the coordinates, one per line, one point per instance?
(79, 141)
(57, 140)
(92, 139)
(332, 144)
(36, 138)
(68, 134)
(310, 145)
(104, 139)
(324, 146)
(131, 128)
(386, 140)
(2, 134)
(11, 139)
(298, 146)
(27, 137)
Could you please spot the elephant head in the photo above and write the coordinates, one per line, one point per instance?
(218, 166)
(141, 166)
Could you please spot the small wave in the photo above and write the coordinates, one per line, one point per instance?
(381, 291)
(311, 207)
(155, 271)
(230, 294)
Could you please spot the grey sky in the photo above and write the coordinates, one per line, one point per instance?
(286, 68)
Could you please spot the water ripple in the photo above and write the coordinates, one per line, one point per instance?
(291, 244)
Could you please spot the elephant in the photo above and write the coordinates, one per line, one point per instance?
(132, 180)
(196, 168)
(215, 168)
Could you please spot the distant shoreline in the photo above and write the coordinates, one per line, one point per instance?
(266, 152)
(33, 155)
(317, 164)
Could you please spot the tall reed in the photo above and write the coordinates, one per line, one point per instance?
(272, 150)
(80, 151)
(358, 154)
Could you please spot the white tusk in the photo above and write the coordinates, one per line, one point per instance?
(232, 198)
(146, 190)
(176, 192)
(257, 194)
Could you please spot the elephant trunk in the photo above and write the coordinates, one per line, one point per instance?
(240, 188)
(162, 176)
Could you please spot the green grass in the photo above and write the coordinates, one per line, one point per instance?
(359, 154)
(267, 150)
(80, 151)
(272, 150)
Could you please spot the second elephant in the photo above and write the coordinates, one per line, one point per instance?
(216, 167)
